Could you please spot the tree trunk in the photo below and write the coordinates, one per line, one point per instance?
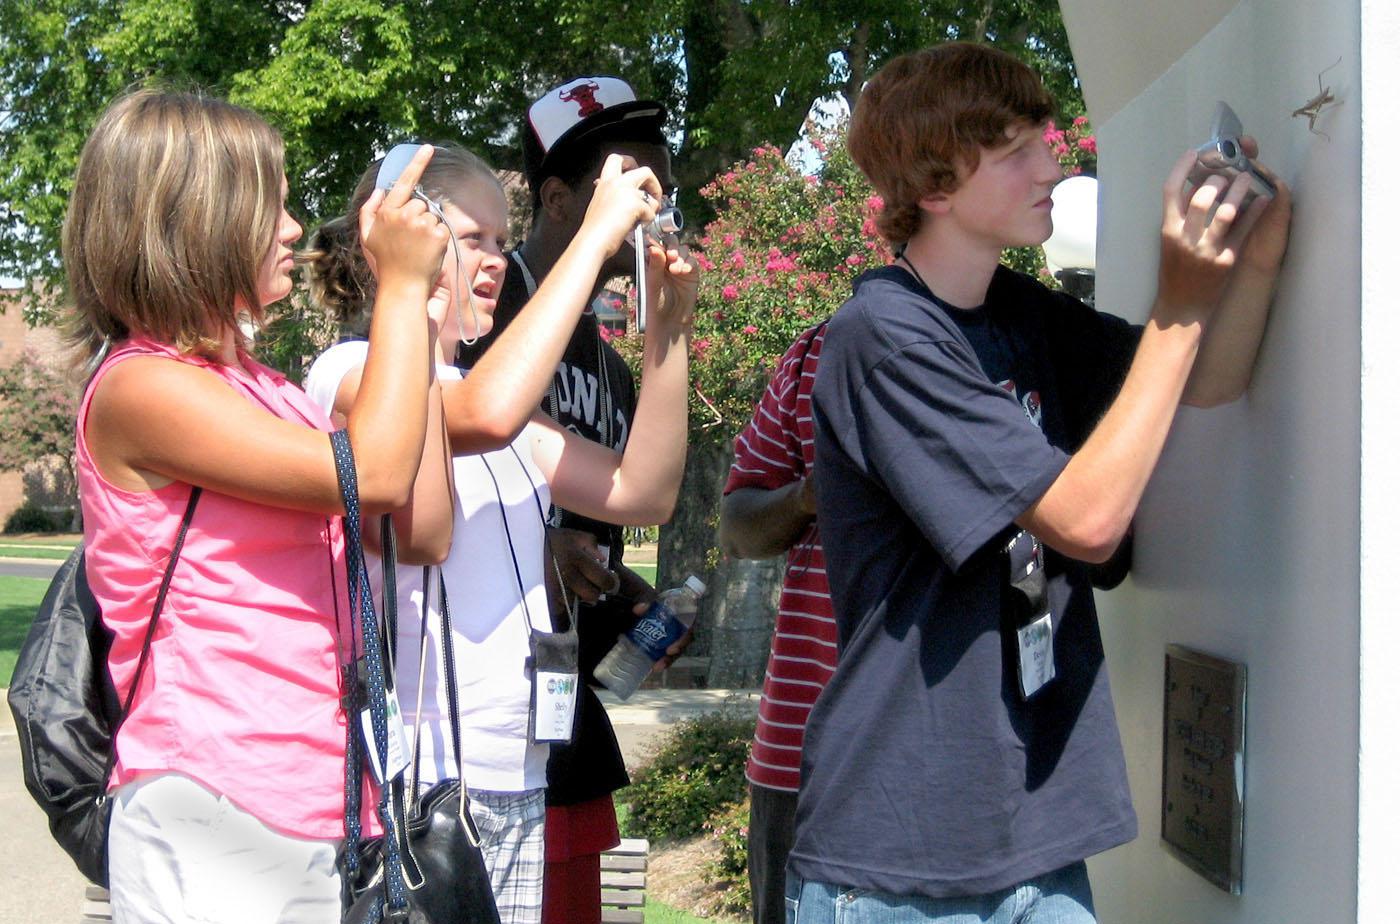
(740, 604)
(743, 622)
(857, 63)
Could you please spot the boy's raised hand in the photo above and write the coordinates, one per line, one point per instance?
(1267, 229)
(625, 196)
(1206, 236)
(673, 283)
(1197, 255)
(401, 238)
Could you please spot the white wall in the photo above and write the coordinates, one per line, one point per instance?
(1379, 821)
(1249, 538)
(1120, 45)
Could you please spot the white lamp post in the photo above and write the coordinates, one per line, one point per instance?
(1070, 250)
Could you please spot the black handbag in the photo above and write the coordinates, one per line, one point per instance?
(427, 866)
(67, 711)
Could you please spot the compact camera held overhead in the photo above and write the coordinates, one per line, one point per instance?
(1224, 156)
(390, 169)
(662, 229)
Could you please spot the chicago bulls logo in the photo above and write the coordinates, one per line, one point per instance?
(583, 94)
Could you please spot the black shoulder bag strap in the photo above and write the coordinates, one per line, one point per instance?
(195, 492)
(454, 721)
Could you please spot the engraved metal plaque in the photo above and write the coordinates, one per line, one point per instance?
(1203, 765)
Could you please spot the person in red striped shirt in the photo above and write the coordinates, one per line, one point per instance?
(769, 508)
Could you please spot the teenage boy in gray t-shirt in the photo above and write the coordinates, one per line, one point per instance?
(980, 441)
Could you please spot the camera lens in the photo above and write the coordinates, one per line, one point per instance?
(1229, 149)
(669, 220)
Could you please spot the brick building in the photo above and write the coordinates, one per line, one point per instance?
(15, 338)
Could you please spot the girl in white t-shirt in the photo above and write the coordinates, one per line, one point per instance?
(506, 471)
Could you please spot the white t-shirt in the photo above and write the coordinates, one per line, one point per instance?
(488, 622)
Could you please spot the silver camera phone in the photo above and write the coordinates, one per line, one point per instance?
(393, 166)
(1223, 156)
(662, 229)
(390, 169)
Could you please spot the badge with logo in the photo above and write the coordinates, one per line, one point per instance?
(386, 766)
(1036, 643)
(556, 697)
(1035, 629)
(553, 670)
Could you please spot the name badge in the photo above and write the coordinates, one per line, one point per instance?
(1036, 642)
(397, 758)
(556, 695)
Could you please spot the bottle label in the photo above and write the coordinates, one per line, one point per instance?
(656, 631)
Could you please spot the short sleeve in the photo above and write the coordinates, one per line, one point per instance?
(768, 452)
(955, 451)
(325, 375)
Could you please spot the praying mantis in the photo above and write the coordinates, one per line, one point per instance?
(1314, 107)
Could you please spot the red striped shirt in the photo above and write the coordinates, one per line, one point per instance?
(774, 450)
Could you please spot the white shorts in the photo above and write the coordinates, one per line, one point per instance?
(177, 852)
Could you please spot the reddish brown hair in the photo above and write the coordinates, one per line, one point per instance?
(928, 113)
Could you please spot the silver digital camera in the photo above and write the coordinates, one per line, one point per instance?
(1223, 156)
(662, 229)
(668, 220)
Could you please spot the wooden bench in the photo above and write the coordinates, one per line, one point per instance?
(97, 906)
(624, 873)
(685, 673)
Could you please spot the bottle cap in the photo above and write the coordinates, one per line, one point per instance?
(696, 585)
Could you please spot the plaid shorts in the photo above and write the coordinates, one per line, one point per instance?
(512, 844)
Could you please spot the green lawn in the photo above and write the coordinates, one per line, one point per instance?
(19, 598)
(657, 913)
(26, 550)
(54, 546)
(646, 571)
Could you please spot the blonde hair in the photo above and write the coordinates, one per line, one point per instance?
(174, 209)
(337, 275)
(927, 113)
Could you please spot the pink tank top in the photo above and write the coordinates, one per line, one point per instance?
(241, 691)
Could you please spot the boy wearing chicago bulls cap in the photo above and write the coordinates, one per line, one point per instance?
(980, 440)
(565, 136)
(564, 126)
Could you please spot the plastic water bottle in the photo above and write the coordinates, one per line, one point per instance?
(623, 669)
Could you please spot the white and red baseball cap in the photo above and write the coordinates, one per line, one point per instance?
(581, 108)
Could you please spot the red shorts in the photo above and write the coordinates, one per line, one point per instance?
(574, 837)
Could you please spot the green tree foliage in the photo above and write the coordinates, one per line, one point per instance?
(342, 78)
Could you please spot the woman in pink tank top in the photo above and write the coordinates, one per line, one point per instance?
(230, 778)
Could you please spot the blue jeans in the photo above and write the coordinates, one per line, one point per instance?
(1061, 897)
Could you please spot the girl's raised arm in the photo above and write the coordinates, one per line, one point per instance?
(638, 487)
(488, 408)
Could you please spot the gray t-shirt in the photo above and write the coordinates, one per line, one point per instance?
(924, 772)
